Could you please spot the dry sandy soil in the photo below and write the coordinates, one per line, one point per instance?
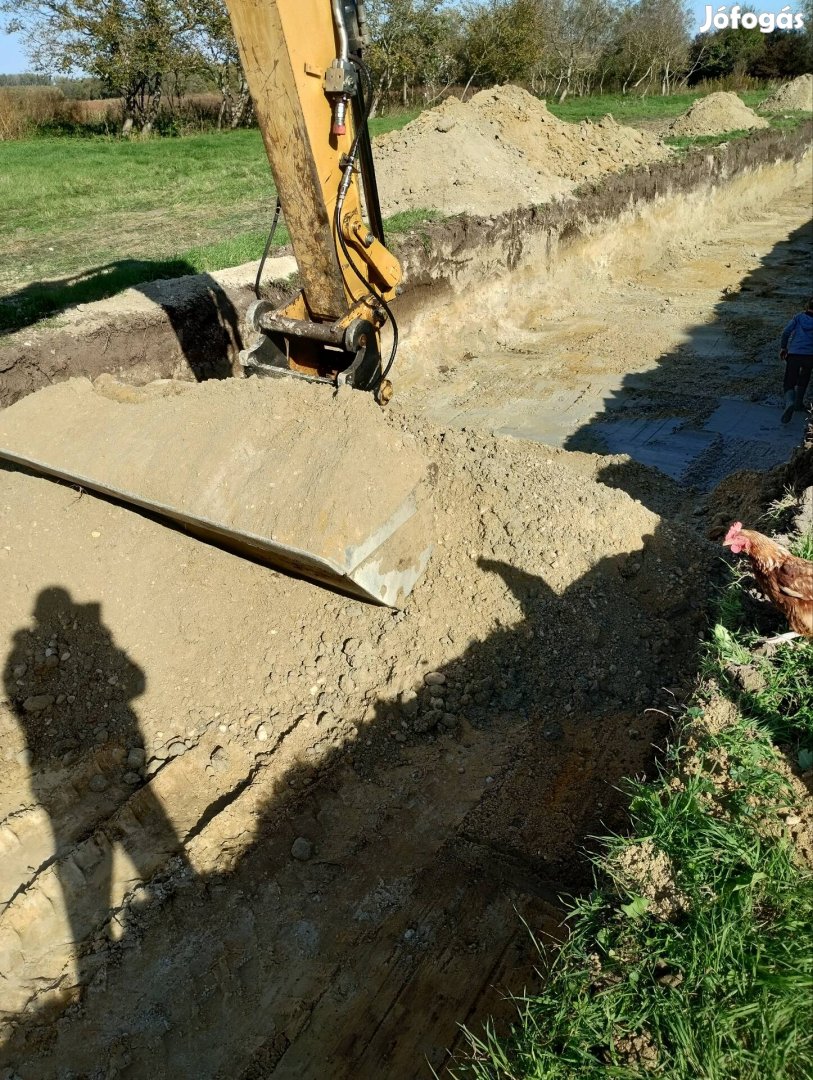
(715, 115)
(500, 149)
(252, 828)
(795, 96)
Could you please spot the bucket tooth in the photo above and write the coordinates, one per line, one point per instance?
(301, 477)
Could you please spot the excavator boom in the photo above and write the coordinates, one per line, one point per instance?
(350, 507)
(302, 60)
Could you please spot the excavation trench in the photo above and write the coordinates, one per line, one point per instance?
(252, 828)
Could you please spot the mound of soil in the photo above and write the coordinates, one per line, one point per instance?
(135, 654)
(715, 115)
(523, 538)
(795, 96)
(340, 477)
(499, 150)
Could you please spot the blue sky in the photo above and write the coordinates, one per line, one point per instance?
(13, 60)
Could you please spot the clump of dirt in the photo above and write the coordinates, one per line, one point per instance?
(648, 871)
(338, 476)
(743, 496)
(794, 819)
(794, 96)
(638, 1050)
(500, 150)
(716, 114)
(747, 494)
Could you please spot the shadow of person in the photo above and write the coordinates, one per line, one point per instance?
(70, 688)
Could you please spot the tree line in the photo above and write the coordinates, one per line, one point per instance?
(562, 47)
(147, 52)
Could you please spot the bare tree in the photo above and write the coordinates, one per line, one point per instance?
(412, 44)
(652, 45)
(216, 56)
(577, 35)
(127, 44)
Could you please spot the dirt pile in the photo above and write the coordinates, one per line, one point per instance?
(499, 150)
(521, 533)
(162, 674)
(795, 96)
(715, 115)
(340, 477)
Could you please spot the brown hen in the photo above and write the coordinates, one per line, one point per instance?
(785, 579)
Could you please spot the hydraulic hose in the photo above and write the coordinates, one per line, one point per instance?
(267, 248)
(341, 29)
(347, 176)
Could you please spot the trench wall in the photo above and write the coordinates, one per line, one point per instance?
(191, 328)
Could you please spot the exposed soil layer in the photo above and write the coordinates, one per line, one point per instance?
(183, 328)
(499, 150)
(251, 828)
(716, 114)
(795, 96)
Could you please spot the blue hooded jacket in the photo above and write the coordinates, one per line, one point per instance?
(797, 337)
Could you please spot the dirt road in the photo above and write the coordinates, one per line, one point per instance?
(318, 825)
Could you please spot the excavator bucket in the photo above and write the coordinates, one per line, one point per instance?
(302, 477)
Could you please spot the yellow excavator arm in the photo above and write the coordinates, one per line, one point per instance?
(311, 90)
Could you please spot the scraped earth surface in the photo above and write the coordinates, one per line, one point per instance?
(251, 828)
(665, 350)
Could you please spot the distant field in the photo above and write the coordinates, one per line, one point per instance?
(83, 218)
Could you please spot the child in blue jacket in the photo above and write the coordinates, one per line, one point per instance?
(796, 349)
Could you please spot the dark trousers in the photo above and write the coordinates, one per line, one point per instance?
(798, 370)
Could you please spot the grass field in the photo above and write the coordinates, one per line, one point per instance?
(628, 108)
(83, 218)
(718, 985)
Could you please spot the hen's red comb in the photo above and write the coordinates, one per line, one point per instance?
(735, 529)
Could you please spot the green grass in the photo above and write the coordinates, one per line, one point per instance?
(408, 219)
(69, 205)
(780, 123)
(722, 989)
(83, 218)
(627, 108)
(380, 125)
(684, 142)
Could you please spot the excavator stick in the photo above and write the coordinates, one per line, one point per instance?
(289, 470)
(302, 61)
